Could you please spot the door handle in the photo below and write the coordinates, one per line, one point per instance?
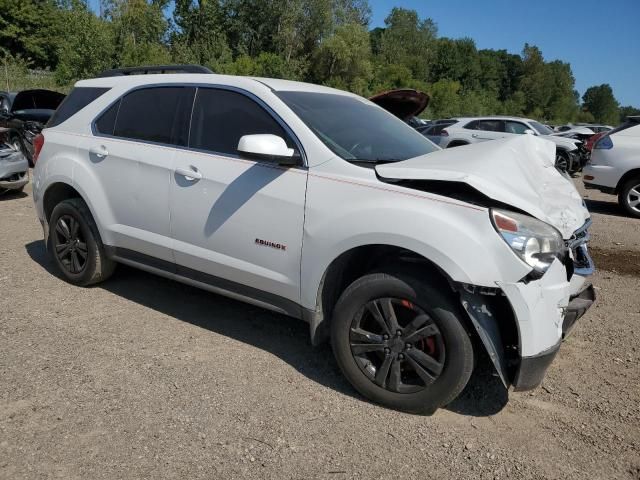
(475, 135)
(100, 152)
(190, 174)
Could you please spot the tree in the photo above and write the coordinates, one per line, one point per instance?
(32, 30)
(628, 111)
(343, 59)
(600, 102)
(89, 46)
(409, 41)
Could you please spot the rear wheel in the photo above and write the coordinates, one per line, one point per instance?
(401, 342)
(629, 197)
(75, 245)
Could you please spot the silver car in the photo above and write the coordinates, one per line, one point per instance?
(14, 169)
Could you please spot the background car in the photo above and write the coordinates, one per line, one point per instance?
(436, 131)
(23, 116)
(14, 169)
(614, 167)
(570, 155)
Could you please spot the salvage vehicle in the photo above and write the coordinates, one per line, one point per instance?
(318, 204)
(570, 154)
(614, 167)
(404, 103)
(24, 114)
(14, 169)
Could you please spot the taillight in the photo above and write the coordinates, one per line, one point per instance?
(605, 143)
(38, 143)
(444, 133)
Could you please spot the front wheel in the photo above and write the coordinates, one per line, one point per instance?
(401, 342)
(563, 164)
(629, 197)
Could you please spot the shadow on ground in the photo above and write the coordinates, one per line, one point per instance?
(605, 208)
(282, 336)
(11, 195)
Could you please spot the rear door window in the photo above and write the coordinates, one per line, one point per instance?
(79, 98)
(491, 125)
(158, 114)
(221, 117)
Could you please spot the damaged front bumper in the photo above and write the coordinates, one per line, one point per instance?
(14, 169)
(544, 312)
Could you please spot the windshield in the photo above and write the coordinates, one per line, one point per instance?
(541, 129)
(356, 130)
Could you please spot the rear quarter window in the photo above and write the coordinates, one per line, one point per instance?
(79, 98)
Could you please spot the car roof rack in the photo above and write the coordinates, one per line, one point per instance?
(154, 69)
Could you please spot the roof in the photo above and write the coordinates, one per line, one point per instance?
(202, 78)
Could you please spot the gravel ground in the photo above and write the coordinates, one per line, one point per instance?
(142, 377)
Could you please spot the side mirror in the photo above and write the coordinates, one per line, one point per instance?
(268, 147)
(528, 131)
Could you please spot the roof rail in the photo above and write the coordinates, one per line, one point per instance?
(147, 69)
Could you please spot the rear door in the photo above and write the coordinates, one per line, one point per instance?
(489, 129)
(237, 222)
(132, 153)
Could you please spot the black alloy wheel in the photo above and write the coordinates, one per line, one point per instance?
(70, 245)
(397, 345)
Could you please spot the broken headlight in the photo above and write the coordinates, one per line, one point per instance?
(535, 242)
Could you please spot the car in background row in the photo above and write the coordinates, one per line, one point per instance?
(404, 103)
(14, 169)
(614, 166)
(570, 154)
(434, 131)
(23, 115)
(595, 128)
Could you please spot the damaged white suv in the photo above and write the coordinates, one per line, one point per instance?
(318, 204)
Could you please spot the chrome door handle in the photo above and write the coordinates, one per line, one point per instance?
(100, 152)
(475, 135)
(189, 174)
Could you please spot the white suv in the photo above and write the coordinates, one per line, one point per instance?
(569, 154)
(318, 204)
(615, 165)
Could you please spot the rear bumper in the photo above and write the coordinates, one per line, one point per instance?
(532, 370)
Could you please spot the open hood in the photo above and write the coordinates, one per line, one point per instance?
(37, 100)
(565, 142)
(404, 103)
(517, 171)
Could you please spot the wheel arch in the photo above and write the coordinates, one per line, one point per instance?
(626, 177)
(457, 143)
(355, 262)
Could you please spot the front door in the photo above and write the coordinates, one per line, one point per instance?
(237, 223)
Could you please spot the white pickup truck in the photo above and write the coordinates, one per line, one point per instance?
(319, 204)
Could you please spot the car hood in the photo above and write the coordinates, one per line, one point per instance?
(404, 103)
(517, 171)
(578, 130)
(37, 99)
(568, 143)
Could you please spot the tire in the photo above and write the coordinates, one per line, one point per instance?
(629, 197)
(75, 245)
(443, 338)
(563, 163)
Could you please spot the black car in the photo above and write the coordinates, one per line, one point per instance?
(24, 114)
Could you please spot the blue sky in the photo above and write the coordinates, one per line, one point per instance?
(600, 38)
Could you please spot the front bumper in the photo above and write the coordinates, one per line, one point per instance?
(14, 169)
(532, 370)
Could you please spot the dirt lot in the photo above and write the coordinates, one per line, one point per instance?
(145, 378)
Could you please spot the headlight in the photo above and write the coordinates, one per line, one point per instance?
(535, 242)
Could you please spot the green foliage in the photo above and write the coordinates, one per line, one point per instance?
(323, 41)
(343, 59)
(600, 102)
(88, 49)
(628, 111)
